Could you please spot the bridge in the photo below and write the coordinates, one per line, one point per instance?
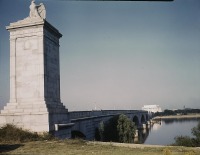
(86, 123)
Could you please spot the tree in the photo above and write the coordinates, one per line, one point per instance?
(110, 130)
(119, 129)
(169, 112)
(126, 129)
(101, 130)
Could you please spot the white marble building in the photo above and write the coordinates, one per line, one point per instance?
(152, 108)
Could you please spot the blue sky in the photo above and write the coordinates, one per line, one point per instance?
(118, 55)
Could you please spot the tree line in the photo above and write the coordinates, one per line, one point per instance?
(168, 112)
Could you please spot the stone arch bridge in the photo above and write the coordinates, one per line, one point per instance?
(86, 122)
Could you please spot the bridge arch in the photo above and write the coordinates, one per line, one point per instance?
(136, 120)
(147, 117)
(77, 134)
(143, 120)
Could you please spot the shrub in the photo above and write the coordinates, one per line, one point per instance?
(184, 141)
(11, 133)
(196, 133)
(188, 141)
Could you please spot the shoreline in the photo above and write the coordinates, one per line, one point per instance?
(177, 116)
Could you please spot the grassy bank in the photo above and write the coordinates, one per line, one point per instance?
(178, 116)
(14, 140)
(80, 147)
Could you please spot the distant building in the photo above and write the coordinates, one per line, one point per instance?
(152, 108)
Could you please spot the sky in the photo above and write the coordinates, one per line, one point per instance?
(118, 55)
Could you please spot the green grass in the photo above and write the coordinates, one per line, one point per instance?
(80, 147)
(14, 140)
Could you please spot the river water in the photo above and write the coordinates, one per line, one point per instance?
(163, 133)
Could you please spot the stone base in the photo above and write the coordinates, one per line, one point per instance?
(37, 117)
(39, 122)
(32, 122)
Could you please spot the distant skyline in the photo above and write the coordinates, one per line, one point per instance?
(118, 55)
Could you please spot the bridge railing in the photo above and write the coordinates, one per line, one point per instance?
(82, 114)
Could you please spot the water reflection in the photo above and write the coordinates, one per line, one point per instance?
(170, 121)
(142, 136)
(164, 132)
(156, 126)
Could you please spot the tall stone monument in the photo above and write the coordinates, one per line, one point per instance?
(35, 76)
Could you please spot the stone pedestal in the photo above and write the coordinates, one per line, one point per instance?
(34, 77)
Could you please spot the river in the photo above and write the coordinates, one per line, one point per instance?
(163, 133)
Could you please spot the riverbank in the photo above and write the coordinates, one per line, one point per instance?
(177, 117)
(80, 147)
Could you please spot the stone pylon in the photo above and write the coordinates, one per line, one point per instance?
(35, 76)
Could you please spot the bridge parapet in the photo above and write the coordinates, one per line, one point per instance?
(83, 114)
